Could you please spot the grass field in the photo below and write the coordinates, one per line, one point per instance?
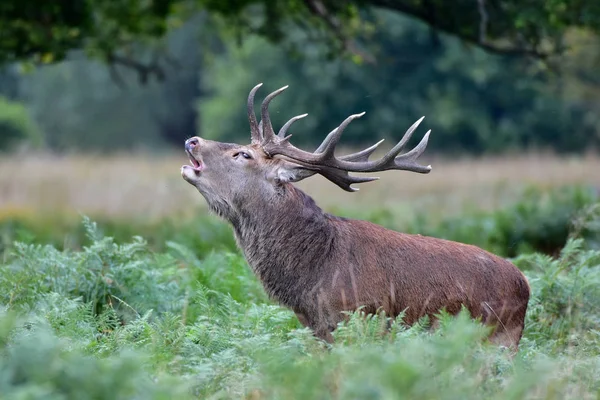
(90, 311)
(152, 186)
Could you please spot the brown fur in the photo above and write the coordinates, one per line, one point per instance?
(320, 265)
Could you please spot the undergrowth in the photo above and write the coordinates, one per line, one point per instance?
(118, 320)
(538, 221)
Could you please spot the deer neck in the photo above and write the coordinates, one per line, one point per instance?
(284, 237)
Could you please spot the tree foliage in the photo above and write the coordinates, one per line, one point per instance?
(473, 101)
(45, 32)
(506, 26)
(81, 104)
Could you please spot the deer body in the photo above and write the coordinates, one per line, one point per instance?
(320, 265)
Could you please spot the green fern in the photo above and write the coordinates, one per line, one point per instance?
(119, 320)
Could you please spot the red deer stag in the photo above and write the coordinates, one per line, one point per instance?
(320, 265)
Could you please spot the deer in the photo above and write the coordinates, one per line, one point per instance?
(324, 267)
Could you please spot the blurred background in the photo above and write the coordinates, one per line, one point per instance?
(96, 100)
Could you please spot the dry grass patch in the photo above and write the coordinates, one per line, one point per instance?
(151, 186)
(455, 185)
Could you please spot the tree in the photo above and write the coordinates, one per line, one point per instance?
(80, 106)
(112, 30)
(474, 102)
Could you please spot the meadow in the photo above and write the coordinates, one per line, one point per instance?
(115, 283)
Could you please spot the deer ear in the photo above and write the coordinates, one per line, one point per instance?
(289, 172)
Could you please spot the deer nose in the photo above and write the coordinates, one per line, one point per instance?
(191, 143)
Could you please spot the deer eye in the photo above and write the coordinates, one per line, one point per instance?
(243, 154)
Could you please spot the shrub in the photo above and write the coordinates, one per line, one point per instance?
(35, 364)
(540, 221)
(16, 126)
(563, 311)
(106, 275)
(203, 234)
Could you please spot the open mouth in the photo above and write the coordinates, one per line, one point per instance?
(197, 165)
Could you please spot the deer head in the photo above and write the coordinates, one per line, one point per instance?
(231, 175)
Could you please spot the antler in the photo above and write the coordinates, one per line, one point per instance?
(323, 159)
(255, 129)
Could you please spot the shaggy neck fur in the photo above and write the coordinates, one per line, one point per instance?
(272, 234)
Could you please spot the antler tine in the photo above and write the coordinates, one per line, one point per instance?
(327, 148)
(326, 141)
(254, 127)
(408, 161)
(398, 147)
(267, 129)
(343, 179)
(284, 128)
(362, 155)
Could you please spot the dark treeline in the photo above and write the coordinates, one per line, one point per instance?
(474, 101)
